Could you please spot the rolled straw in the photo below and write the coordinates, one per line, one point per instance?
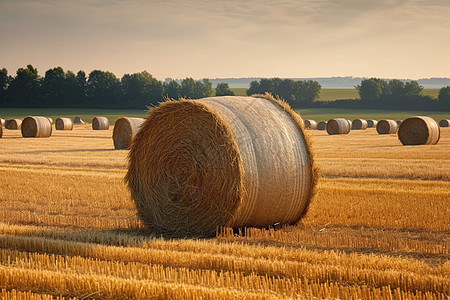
(124, 131)
(419, 131)
(36, 127)
(196, 165)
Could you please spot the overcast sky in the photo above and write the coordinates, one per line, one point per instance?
(235, 38)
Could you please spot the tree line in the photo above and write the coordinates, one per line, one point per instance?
(102, 89)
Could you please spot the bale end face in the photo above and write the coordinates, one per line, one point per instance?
(100, 123)
(387, 127)
(444, 123)
(63, 124)
(419, 131)
(359, 124)
(338, 126)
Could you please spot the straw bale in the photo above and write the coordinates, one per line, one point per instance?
(444, 123)
(13, 124)
(77, 120)
(359, 124)
(310, 124)
(36, 127)
(371, 123)
(322, 125)
(419, 130)
(387, 127)
(124, 131)
(338, 126)
(100, 123)
(196, 165)
(50, 119)
(63, 124)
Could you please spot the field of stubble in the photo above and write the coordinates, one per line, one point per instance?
(378, 228)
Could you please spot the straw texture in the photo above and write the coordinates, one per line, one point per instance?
(338, 126)
(36, 127)
(419, 131)
(50, 119)
(13, 124)
(387, 127)
(77, 120)
(100, 123)
(124, 131)
(371, 123)
(444, 123)
(322, 125)
(224, 161)
(310, 124)
(359, 124)
(63, 124)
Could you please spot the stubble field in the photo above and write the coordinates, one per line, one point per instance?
(378, 227)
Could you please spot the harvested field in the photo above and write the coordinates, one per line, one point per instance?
(378, 227)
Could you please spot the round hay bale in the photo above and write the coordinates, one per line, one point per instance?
(36, 127)
(100, 123)
(124, 131)
(419, 131)
(338, 126)
(196, 165)
(371, 123)
(359, 124)
(13, 124)
(387, 127)
(310, 124)
(63, 124)
(50, 119)
(322, 125)
(444, 123)
(77, 120)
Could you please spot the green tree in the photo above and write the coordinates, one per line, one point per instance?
(53, 88)
(75, 89)
(191, 89)
(371, 90)
(4, 83)
(395, 88)
(412, 88)
(171, 89)
(444, 97)
(103, 89)
(141, 90)
(223, 89)
(24, 89)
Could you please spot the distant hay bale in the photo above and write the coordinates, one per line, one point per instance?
(322, 125)
(36, 127)
(310, 124)
(2, 121)
(77, 120)
(444, 123)
(371, 123)
(124, 131)
(387, 127)
(196, 165)
(338, 126)
(63, 124)
(100, 123)
(13, 124)
(359, 124)
(419, 131)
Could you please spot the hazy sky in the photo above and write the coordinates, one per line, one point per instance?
(235, 38)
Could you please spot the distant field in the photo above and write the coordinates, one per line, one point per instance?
(335, 94)
(318, 114)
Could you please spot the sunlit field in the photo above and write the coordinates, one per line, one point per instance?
(378, 227)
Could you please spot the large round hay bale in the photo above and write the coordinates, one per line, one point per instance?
(36, 127)
(77, 120)
(322, 125)
(196, 165)
(419, 131)
(338, 126)
(124, 131)
(387, 127)
(310, 124)
(371, 123)
(444, 123)
(13, 124)
(100, 123)
(63, 124)
(359, 124)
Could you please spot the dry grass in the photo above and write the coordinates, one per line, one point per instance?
(376, 229)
